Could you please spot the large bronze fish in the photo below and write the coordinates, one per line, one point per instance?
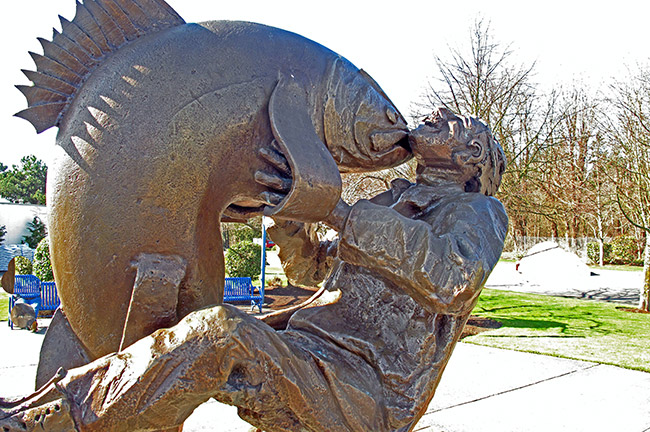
(161, 125)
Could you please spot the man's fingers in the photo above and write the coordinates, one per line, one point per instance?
(274, 182)
(276, 159)
(272, 198)
(279, 182)
(276, 146)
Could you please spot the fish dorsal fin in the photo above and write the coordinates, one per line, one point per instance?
(99, 28)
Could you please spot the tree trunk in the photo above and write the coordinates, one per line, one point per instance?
(644, 300)
(567, 228)
(601, 236)
(601, 252)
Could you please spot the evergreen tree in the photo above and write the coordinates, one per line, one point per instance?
(37, 232)
(24, 183)
(42, 263)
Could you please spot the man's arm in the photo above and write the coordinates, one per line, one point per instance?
(442, 262)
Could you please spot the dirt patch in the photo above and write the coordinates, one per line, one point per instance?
(476, 325)
(279, 297)
(632, 310)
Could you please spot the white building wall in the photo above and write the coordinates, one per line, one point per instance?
(16, 217)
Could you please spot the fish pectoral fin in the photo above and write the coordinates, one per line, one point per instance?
(316, 182)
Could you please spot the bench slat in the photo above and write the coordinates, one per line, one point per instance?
(49, 297)
(27, 286)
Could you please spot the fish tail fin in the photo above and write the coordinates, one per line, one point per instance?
(99, 28)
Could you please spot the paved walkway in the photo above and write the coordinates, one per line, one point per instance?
(494, 390)
(483, 390)
(605, 285)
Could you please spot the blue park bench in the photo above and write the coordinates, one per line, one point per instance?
(242, 289)
(42, 296)
(27, 286)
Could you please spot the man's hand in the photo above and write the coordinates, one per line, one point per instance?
(277, 179)
(336, 219)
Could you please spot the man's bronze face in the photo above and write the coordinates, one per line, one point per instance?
(430, 143)
(437, 148)
(451, 148)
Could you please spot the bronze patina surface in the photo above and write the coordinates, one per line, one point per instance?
(161, 124)
(8, 278)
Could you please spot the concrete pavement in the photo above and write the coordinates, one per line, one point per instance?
(483, 390)
(494, 390)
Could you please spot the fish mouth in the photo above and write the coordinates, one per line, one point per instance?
(405, 143)
(386, 149)
(386, 141)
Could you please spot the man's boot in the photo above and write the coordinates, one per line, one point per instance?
(47, 409)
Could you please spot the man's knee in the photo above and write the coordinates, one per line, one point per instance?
(219, 320)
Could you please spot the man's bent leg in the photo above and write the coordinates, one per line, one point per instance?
(221, 352)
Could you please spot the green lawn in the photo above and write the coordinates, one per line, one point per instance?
(563, 327)
(4, 305)
(619, 267)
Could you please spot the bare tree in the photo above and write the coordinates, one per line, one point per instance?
(573, 175)
(485, 82)
(600, 198)
(630, 133)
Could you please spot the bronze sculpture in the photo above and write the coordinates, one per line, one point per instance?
(168, 128)
(410, 266)
(161, 126)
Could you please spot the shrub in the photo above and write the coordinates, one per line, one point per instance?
(593, 253)
(42, 264)
(624, 250)
(243, 260)
(23, 265)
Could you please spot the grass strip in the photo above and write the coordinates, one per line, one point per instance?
(564, 327)
(4, 306)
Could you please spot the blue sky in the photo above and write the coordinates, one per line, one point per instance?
(394, 41)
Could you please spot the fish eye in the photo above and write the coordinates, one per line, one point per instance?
(392, 115)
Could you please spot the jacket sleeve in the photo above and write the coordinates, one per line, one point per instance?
(441, 261)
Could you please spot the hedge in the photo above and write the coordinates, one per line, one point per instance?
(244, 260)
